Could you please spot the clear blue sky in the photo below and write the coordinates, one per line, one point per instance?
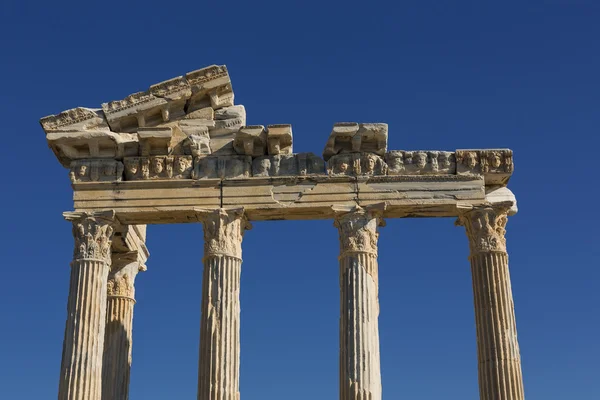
(444, 75)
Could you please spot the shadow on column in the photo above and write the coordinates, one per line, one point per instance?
(116, 361)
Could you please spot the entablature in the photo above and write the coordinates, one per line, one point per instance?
(183, 143)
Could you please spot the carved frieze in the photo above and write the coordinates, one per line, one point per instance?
(310, 164)
(486, 228)
(96, 171)
(495, 164)
(213, 167)
(158, 167)
(288, 165)
(355, 164)
(93, 233)
(223, 232)
(420, 162)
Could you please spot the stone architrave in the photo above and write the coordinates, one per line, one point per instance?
(81, 369)
(219, 364)
(500, 376)
(116, 365)
(360, 370)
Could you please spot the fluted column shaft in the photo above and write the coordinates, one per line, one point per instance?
(118, 341)
(81, 368)
(219, 364)
(500, 376)
(360, 375)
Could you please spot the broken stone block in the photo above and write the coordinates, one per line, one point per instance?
(155, 141)
(349, 137)
(279, 138)
(251, 141)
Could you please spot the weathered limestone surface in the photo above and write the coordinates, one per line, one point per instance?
(182, 152)
(360, 375)
(292, 197)
(219, 365)
(500, 376)
(81, 369)
(118, 339)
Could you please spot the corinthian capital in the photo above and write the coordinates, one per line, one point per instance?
(93, 233)
(124, 269)
(358, 229)
(485, 227)
(223, 231)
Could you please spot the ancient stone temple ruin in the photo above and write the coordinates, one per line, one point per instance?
(181, 152)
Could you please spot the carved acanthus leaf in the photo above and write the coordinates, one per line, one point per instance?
(358, 231)
(223, 232)
(93, 235)
(121, 286)
(486, 228)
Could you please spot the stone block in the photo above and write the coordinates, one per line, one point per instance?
(251, 141)
(155, 141)
(352, 137)
(279, 139)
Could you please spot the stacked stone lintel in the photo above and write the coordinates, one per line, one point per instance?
(500, 375)
(118, 339)
(360, 375)
(81, 368)
(219, 364)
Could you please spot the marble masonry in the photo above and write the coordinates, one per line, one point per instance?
(182, 152)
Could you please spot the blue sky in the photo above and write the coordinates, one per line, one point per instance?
(443, 75)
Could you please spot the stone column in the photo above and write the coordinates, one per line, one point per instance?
(81, 369)
(116, 365)
(360, 375)
(219, 365)
(500, 376)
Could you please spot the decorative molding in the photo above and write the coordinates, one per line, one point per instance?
(158, 167)
(431, 162)
(96, 171)
(355, 164)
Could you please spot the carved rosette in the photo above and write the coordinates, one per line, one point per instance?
(223, 232)
(358, 231)
(93, 233)
(485, 228)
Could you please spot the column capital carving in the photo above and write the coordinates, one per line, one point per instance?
(358, 228)
(124, 269)
(223, 231)
(93, 233)
(486, 227)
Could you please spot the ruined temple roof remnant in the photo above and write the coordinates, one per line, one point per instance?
(193, 117)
